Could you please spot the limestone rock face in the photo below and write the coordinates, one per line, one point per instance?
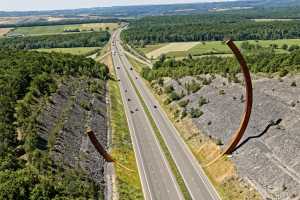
(63, 122)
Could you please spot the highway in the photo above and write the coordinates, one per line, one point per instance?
(157, 180)
(193, 175)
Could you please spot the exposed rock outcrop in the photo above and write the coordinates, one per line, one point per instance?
(268, 156)
(63, 122)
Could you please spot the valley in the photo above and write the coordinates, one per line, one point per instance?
(163, 95)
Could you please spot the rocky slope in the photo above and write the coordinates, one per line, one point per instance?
(269, 154)
(78, 104)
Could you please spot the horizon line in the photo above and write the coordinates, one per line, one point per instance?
(129, 5)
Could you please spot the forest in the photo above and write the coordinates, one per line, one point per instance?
(25, 78)
(66, 21)
(209, 27)
(259, 60)
(89, 39)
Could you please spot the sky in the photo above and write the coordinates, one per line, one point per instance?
(25, 5)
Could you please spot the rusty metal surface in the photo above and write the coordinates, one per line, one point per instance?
(98, 146)
(248, 103)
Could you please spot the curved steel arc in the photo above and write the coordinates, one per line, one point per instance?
(107, 157)
(249, 99)
(248, 103)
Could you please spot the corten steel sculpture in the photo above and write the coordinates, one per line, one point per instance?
(248, 103)
(107, 157)
(98, 146)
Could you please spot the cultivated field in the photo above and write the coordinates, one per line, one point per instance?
(98, 26)
(180, 46)
(151, 47)
(180, 50)
(272, 20)
(59, 29)
(74, 51)
(3, 31)
(8, 20)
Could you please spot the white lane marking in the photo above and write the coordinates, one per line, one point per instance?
(164, 158)
(136, 150)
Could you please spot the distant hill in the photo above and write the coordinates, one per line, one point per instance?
(136, 11)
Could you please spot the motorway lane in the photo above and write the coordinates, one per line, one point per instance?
(157, 179)
(193, 175)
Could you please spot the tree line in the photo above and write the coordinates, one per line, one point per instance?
(66, 21)
(207, 27)
(25, 78)
(264, 60)
(90, 39)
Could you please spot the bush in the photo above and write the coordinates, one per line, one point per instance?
(167, 101)
(294, 84)
(184, 103)
(160, 82)
(86, 105)
(196, 113)
(176, 114)
(174, 96)
(293, 48)
(283, 72)
(222, 92)
(183, 113)
(202, 101)
(169, 89)
(192, 87)
(285, 46)
(195, 86)
(206, 81)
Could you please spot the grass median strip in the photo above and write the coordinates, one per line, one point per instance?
(163, 145)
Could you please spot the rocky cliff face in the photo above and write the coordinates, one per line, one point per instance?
(77, 104)
(269, 154)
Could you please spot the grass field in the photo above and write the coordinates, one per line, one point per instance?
(151, 48)
(3, 31)
(58, 29)
(179, 50)
(180, 46)
(74, 51)
(272, 20)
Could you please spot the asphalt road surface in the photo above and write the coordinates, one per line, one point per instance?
(193, 175)
(157, 180)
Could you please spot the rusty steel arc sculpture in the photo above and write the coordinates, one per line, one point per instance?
(248, 103)
(101, 150)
